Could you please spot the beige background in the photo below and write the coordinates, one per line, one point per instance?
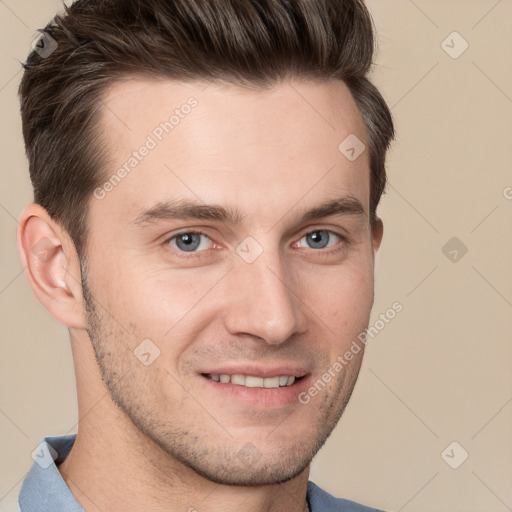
(441, 370)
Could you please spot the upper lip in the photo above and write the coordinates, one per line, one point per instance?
(257, 370)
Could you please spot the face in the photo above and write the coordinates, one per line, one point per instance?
(228, 267)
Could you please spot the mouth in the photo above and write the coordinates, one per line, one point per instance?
(255, 386)
(254, 381)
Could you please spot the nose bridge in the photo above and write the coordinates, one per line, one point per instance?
(263, 302)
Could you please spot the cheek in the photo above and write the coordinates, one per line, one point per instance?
(342, 298)
(170, 308)
(155, 293)
(171, 297)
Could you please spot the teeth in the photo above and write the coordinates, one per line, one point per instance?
(239, 380)
(271, 382)
(254, 382)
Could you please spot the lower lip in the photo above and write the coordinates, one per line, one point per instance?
(263, 398)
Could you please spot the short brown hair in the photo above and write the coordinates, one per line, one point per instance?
(244, 42)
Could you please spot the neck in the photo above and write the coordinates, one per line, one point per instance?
(109, 471)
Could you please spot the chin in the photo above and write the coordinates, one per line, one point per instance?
(242, 463)
(257, 474)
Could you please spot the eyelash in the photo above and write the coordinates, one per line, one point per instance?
(343, 241)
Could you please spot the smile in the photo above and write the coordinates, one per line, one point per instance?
(250, 381)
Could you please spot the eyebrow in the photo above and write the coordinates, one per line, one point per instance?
(187, 209)
(348, 205)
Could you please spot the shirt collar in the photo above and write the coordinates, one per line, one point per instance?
(44, 489)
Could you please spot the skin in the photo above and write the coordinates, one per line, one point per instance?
(162, 436)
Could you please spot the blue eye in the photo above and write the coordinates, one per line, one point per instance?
(190, 242)
(320, 239)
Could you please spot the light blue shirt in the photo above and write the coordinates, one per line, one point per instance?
(44, 489)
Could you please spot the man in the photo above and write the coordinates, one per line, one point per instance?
(206, 177)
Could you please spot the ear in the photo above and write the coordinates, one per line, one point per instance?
(51, 265)
(377, 233)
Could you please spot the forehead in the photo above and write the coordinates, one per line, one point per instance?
(224, 144)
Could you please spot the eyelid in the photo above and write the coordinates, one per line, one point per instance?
(185, 231)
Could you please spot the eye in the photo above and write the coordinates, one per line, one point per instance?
(320, 239)
(190, 242)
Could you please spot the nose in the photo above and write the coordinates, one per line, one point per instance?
(263, 302)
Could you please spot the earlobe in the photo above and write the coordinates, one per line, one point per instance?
(51, 265)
